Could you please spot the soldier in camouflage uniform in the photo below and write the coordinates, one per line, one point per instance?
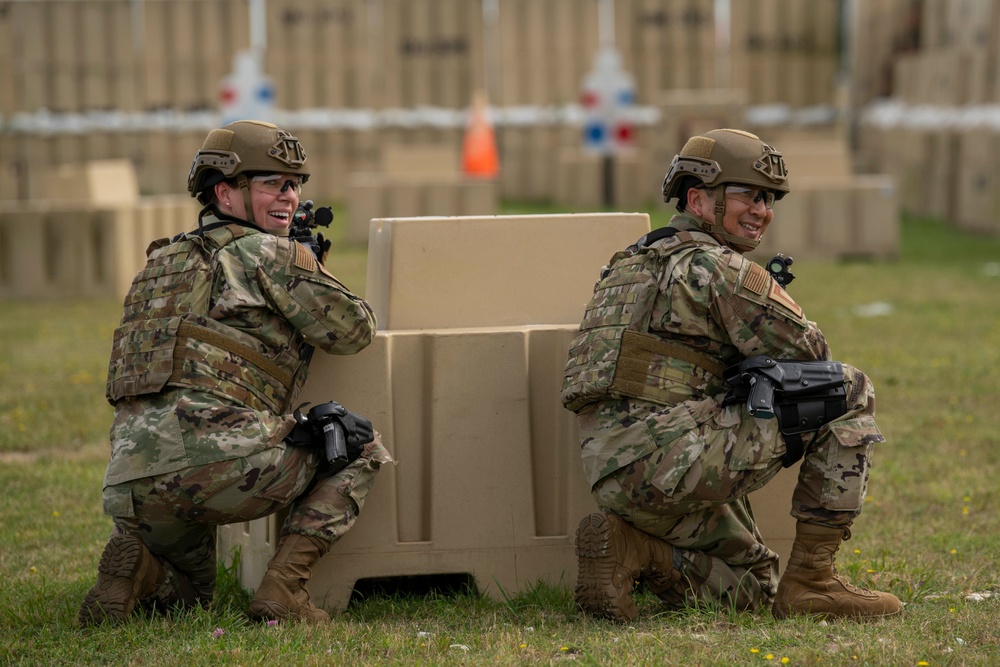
(211, 354)
(670, 460)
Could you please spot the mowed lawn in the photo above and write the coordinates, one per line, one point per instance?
(925, 327)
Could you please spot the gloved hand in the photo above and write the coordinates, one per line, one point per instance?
(321, 247)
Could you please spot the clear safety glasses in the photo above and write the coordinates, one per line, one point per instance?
(751, 196)
(276, 184)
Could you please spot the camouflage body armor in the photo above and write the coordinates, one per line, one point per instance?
(614, 356)
(166, 338)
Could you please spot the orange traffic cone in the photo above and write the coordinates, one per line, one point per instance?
(479, 146)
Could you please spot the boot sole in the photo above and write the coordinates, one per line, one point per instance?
(783, 615)
(596, 569)
(119, 576)
(264, 606)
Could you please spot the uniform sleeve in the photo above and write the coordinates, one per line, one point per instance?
(761, 317)
(320, 307)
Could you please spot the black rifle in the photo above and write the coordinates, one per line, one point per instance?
(304, 221)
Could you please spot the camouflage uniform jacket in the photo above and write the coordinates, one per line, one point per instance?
(214, 345)
(665, 320)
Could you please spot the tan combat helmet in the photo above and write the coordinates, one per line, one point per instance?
(726, 156)
(240, 148)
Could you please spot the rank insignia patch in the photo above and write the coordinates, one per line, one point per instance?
(779, 295)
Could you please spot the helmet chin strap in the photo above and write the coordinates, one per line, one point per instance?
(244, 184)
(718, 230)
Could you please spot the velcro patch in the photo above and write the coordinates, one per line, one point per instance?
(304, 259)
(756, 279)
(779, 295)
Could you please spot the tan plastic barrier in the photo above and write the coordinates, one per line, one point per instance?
(830, 213)
(88, 237)
(415, 180)
(488, 481)
(77, 249)
(443, 273)
(835, 218)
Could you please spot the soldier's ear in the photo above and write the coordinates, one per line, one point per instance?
(697, 201)
(223, 192)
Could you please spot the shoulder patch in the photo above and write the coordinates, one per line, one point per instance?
(756, 279)
(304, 258)
(779, 295)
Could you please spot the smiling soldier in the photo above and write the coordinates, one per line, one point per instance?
(206, 366)
(670, 447)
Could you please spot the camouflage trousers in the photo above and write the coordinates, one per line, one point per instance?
(692, 490)
(176, 514)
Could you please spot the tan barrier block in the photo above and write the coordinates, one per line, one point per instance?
(815, 158)
(22, 240)
(685, 113)
(832, 219)
(67, 249)
(789, 231)
(118, 261)
(419, 162)
(477, 197)
(70, 255)
(377, 195)
(876, 218)
(942, 175)
(175, 214)
(440, 273)
(488, 480)
(13, 181)
(441, 197)
(977, 181)
(826, 218)
(579, 180)
(98, 183)
(404, 199)
(364, 201)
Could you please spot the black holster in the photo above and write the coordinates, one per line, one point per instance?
(803, 395)
(342, 434)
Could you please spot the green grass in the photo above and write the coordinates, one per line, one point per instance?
(929, 532)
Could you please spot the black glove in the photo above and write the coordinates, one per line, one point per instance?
(342, 434)
(321, 247)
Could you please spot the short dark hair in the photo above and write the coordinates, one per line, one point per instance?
(686, 183)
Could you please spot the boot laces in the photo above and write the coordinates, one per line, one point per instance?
(847, 583)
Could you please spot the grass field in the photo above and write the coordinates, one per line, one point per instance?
(925, 327)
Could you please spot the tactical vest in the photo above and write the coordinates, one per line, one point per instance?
(166, 338)
(614, 355)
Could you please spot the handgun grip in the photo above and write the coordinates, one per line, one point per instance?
(760, 402)
(336, 443)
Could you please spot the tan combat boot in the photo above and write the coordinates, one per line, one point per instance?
(282, 594)
(811, 585)
(611, 555)
(127, 573)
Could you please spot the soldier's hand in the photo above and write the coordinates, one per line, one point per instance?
(323, 248)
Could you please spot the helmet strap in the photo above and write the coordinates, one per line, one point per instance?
(718, 230)
(720, 205)
(244, 184)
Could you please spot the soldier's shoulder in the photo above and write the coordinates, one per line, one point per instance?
(261, 246)
(753, 283)
(709, 253)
